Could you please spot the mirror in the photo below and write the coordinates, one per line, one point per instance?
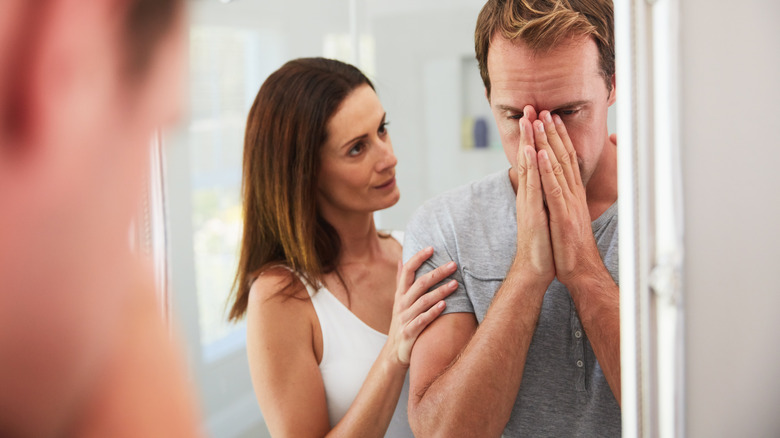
(428, 82)
(672, 55)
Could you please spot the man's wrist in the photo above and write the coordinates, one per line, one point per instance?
(521, 278)
(594, 292)
(594, 276)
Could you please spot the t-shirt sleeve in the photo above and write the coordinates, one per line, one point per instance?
(424, 231)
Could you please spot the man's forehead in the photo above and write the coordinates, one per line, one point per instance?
(566, 73)
(502, 46)
(573, 56)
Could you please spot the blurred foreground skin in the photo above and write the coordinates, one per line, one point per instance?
(83, 350)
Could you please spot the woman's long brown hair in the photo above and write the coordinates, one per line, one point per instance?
(286, 128)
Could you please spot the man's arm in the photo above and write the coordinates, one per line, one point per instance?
(464, 379)
(464, 385)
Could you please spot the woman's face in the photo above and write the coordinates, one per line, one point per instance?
(358, 165)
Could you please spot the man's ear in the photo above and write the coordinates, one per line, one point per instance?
(17, 43)
(487, 96)
(11, 21)
(613, 92)
(57, 59)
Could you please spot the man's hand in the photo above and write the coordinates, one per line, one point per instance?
(573, 245)
(534, 249)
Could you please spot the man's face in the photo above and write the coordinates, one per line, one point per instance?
(565, 80)
(71, 176)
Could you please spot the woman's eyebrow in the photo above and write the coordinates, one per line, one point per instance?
(360, 137)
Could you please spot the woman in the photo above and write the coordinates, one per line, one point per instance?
(332, 315)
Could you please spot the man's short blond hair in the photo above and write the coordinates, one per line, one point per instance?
(543, 24)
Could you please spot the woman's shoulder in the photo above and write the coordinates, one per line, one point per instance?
(277, 284)
(279, 307)
(397, 235)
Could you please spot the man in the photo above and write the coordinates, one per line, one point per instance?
(83, 349)
(529, 344)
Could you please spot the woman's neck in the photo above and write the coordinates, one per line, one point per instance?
(359, 238)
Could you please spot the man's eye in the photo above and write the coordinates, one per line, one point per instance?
(516, 116)
(568, 112)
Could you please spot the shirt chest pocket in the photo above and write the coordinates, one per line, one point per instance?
(481, 287)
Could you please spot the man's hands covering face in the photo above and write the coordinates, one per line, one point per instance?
(556, 240)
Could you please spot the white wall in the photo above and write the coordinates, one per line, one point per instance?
(419, 51)
(225, 390)
(731, 153)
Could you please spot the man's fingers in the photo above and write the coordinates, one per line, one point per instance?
(556, 203)
(526, 140)
(543, 144)
(532, 182)
(529, 113)
(557, 143)
(564, 134)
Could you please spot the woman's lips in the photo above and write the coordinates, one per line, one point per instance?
(387, 185)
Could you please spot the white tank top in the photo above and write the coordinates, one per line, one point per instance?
(349, 349)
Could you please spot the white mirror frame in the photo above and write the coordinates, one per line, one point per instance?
(650, 210)
(150, 227)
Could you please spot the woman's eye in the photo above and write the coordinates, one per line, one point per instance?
(383, 128)
(356, 149)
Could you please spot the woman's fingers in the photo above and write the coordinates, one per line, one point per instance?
(406, 272)
(427, 281)
(428, 300)
(412, 329)
(414, 308)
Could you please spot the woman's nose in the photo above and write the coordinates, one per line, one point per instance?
(387, 160)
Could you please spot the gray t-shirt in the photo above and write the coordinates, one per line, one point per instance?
(563, 391)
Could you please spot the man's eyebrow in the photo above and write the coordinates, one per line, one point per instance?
(509, 108)
(573, 104)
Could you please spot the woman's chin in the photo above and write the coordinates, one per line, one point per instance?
(392, 199)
